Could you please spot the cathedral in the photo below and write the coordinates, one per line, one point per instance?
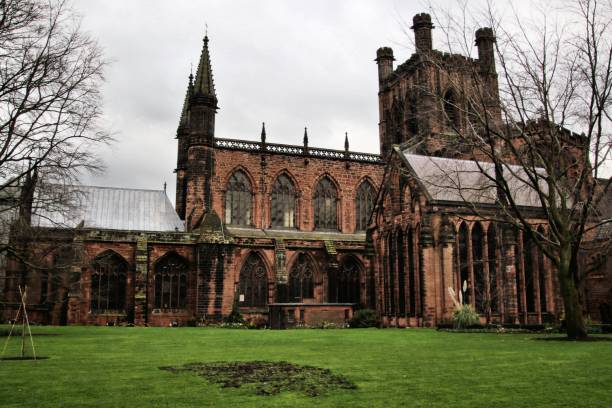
(294, 235)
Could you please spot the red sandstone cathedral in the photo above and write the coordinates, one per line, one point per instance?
(298, 235)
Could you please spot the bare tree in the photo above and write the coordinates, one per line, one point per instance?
(50, 102)
(544, 129)
(50, 111)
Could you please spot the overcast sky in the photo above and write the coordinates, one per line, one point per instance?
(287, 63)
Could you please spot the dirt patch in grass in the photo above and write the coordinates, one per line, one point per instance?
(268, 377)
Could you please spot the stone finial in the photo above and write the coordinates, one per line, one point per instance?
(263, 133)
(305, 138)
(485, 38)
(384, 60)
(346, 142)
(422, 26)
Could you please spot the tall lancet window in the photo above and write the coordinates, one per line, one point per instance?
(325, 205)
(451, 110)
(364, 202)
(171, 282)
(238, 200)
(282, 211)
(253, 282)
(108, 281)
(301, 280)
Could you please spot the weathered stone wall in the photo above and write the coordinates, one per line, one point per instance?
(305, 172)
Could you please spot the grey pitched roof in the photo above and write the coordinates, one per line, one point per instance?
(468, 181)
(113, 208)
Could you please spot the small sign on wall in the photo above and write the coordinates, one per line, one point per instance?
(241, 297)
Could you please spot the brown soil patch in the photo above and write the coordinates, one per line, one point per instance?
(268, 377)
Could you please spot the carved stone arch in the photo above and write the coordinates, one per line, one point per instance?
(406, 197)
(543, 275)
(463, 276)
(478, 267)
(397, 119)
(247, 173)
(495, 267)
(171, 275)
(344, 283)
(450, 107)
(108, 282)
(411, 109)
(284, 201)
(303, 277)
(239, 197)
(326, 203)
(365, 196)
(264, 258)
(253, 281)
(289, 174)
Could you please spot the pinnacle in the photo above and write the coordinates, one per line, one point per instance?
(204, 84)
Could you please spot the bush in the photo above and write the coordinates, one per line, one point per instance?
(235, 316)
(258, 322)
(465, 317)
(364, 318)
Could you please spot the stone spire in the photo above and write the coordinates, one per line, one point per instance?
(184, 121)
(346, 142)
(204, 86)
(263, 132)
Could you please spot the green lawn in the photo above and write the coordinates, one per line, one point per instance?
(118, 367)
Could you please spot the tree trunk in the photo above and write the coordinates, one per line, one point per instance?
(574, 319)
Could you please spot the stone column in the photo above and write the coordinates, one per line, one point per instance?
(141, 281)
(74, 280)
(447, 242)
(282, 277)
(427, 266)
(509, 288)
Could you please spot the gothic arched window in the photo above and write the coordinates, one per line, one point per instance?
(344, 283)
(301, 280)
(171, 282)
(528, 271)
(542, 277)
(411, 108)
(492, 249)
(253, 284)
(364, 203)
(282, 213)
(478, 268)
(325, 205)
(108, 282)
(450, 109)
(238, 200)
(464, 280)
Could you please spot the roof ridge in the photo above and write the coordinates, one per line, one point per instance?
(114, 188)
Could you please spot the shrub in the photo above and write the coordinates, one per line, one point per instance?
(235, 316)
(364, 318)
(465, 316)
(258, 322)
(326, 325)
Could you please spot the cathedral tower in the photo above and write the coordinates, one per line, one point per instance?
(196, 134)
(428, 100)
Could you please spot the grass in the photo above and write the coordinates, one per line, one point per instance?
(119, 367)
